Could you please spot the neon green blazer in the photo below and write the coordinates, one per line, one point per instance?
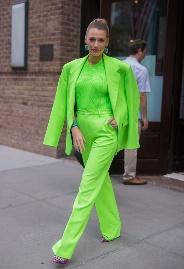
(124, 97)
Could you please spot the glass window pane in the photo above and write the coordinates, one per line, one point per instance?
(144, 19)
(18, 36)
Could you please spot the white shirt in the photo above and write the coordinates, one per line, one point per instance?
(141, 74)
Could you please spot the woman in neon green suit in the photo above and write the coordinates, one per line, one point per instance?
(98, 97)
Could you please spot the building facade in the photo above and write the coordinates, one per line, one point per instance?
(26, 94)
(54, 34)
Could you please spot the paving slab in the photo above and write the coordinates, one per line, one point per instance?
(12, 158)
(44, 181)
(142, 256)
(165, 240)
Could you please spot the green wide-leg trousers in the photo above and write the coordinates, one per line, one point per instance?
(95, 187)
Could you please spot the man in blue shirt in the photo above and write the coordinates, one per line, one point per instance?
(137, 52)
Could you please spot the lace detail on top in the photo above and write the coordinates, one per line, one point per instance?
(91, 89)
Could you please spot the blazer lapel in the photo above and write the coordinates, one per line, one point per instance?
(73, 76)
(113, 77)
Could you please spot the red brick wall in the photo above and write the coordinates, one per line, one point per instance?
(26, 96)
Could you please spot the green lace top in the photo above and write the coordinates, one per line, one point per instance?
(91, 89)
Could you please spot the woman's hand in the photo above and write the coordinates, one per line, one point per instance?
(78, 139)
(113, 123)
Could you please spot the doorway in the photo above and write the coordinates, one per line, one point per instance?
(158, 22)
(177, 158)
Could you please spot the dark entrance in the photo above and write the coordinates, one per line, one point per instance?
(177, 144)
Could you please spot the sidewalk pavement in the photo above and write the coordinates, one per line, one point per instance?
(36, 196)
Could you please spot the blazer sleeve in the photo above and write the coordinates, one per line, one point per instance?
(58, 112)
(133, 107)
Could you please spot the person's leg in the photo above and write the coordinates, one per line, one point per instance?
(130, 163)
(94, 175)
(130, 166)
(107, 211)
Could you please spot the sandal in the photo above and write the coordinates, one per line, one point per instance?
(103, 240)
(59, 260)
